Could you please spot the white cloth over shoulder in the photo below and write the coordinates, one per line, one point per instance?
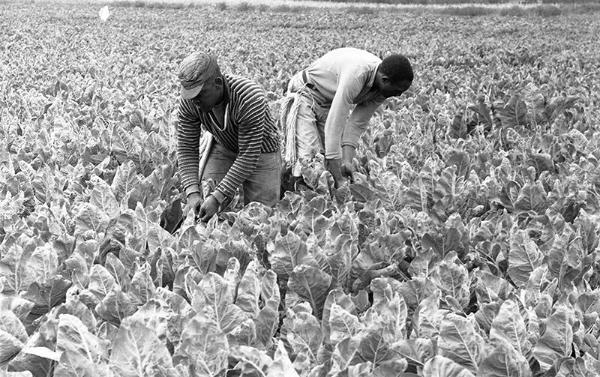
(288, 119)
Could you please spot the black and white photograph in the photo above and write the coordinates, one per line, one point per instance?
(299, 188)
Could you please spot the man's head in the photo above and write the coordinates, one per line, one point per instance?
(394, 75)
(201, 80)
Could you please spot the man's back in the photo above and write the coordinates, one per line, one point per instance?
(343, 66)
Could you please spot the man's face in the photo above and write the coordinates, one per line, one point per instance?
(210, 95)
(388, 88)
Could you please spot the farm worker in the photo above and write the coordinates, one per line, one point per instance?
(329, 104)
(245, 152)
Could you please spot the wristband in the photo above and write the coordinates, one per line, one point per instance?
(192, 189)
(219, 196)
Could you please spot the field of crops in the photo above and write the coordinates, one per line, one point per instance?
(469, 245)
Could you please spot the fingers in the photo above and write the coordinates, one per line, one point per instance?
(206, 212)
(348, 172)
(206, 215)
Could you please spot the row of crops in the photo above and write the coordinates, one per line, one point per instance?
(468, 245)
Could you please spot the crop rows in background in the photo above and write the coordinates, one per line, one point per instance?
(469, 245)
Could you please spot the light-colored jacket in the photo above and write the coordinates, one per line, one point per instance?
(343, 79)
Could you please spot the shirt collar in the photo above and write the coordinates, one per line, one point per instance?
(371, 79)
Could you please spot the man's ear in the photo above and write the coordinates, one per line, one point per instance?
(385, 78)
(219, 81)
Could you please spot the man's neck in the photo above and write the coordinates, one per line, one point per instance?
(224, 93)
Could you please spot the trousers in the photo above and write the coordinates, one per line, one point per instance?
(262, 185)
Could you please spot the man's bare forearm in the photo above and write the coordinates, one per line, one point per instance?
(348, 154)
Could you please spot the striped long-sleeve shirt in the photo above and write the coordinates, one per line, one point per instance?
(250, 131)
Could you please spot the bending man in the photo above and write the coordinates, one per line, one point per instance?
(245, 152)
(329, 105)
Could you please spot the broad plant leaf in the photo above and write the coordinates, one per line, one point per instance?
(101, 281)
(374, 348)
(342, 324)
(361, 369)
(10, 324)
(90, 218)
(138, 352)
(282, 366)
(10, 347)
(565, 256)
(452, 278)
(215, 298)
(524, 256)
(156, 315)
(483, 112)
(116, 306)
(388, 312)
(251, 361)
(36, 355)
(532, 197)
(142, 286)
(391, 368)
(428, 316)
(440, 366)
(415, 351)
(555, 342)
(204, 346)
(312, 285)
(576, 368)
(290, 252)
(303, 331)
(345, 353)
(267, 320)
(459, 341)
(75, 307)
(125, 180)
(513, 113)
(46, 296)
(103, 198)
(118, 271)
(17, 305)
(509, 326)
(82, 352)
(19, 374)
(248, 294)
(504, 361)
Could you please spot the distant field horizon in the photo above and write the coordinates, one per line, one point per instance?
(346, 3)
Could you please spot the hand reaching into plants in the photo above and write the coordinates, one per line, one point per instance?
(347, 170)
(194, 201)
(335, 166)
(208, 208)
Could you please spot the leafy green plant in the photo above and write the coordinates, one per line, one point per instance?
(466, 246)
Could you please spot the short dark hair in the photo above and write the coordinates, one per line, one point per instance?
(397, 68)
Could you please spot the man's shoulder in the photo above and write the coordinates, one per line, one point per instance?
(186, 107)
(354, 64)
(243, 86)
(356, 54)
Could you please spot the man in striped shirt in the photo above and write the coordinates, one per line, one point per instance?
(245, 152)
(329, 105)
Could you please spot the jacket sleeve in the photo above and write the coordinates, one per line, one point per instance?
(358, 121)
(350, 85)
(188, 144)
